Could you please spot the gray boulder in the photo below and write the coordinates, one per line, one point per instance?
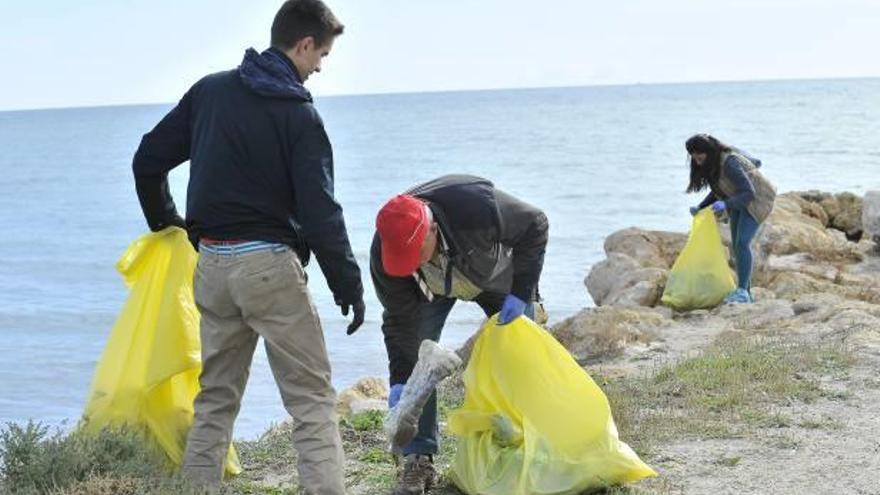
(620, 280)
(649, 248)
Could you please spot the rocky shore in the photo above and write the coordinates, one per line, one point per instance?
(780, 396)
(817, 291)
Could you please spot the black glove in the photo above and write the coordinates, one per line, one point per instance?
(358, 309)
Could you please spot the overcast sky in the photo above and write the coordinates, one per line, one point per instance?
(101, 52)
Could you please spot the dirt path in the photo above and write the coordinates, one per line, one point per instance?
(831, 445)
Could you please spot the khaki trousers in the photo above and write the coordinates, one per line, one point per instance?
(242, 297)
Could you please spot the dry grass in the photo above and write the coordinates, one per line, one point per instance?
(732, 390)
(117, 461)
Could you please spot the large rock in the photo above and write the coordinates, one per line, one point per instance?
(620, 280)
(858, 287)
(368, 394)
(603, 276)
(841, 211)
(831, 206)
(788, 230)
(789, 285)
(871, 216)
(849, 219)
(803, 263)
(811, 203)
(648, 247)
(598, 333)
(634, 274)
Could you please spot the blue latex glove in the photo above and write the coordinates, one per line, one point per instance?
(512, 309)
(694, 211)
(394, 395)
(719, 206)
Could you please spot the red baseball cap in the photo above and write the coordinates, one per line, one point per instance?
(402, 224)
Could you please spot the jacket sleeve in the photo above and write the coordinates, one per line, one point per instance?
(708, 200)
(745, 190)
(524, 228)
(318, 212)
(401, 303)
(162, 149)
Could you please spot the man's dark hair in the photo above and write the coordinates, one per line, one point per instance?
(707, 174)
(298, 19)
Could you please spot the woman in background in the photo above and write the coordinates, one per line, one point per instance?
(736, 186)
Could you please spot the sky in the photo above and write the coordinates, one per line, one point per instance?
(102, 52)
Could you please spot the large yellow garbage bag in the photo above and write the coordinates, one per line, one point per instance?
(700, 277)
(148, 374)
(533, 422)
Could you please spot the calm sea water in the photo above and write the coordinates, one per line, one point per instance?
(595, 159)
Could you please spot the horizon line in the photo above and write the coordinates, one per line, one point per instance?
(478, 90)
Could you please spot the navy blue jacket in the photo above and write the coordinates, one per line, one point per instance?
(745, 190)
(261, 167)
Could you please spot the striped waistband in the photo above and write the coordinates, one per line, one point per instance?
(240, 247)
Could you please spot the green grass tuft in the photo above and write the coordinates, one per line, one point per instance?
(367, 421)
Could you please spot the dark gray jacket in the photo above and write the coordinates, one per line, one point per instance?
(495, 240)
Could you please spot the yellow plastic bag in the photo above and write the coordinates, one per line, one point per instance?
(700, 277)
(533, 422)
(148, 374)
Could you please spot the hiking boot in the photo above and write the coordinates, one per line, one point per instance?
(417, 477)
(739, 296)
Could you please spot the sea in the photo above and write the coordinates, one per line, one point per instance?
(595, 159)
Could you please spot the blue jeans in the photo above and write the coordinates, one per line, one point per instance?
(743, 228)
(434, 316)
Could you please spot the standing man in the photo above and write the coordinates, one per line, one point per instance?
(455, 237)
(260, 199)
